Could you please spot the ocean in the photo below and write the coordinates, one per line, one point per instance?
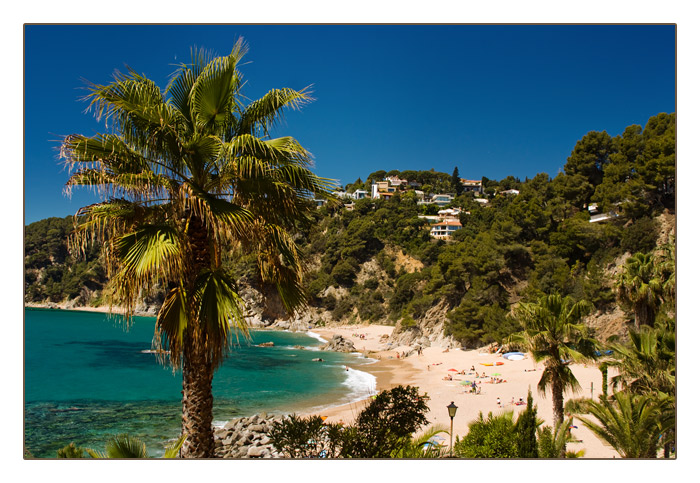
(86, 378)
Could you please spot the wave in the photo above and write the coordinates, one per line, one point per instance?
(316, 336)
(361, 384)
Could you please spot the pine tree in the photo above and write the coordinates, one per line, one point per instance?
(526, 429)
(457, 182)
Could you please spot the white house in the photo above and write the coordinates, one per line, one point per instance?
(471, 185)
(396, 181)
(444, 229)
(382, 189)
(449, 213)
(360, 194)
(442, 200)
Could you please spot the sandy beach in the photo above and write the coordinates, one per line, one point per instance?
(428, 370)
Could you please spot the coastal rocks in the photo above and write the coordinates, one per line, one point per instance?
(339, 344)
(246, 438)
(428, 331)
(266, 344)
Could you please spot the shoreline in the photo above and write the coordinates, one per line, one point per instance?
(312, 406)
(428, 372)
(104, 309)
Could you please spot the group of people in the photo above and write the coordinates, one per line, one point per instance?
(475, 388)
(520, 402)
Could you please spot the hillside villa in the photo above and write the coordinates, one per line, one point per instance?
(444, 229)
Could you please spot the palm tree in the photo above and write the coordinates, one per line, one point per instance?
(667, 268)
(190, 174)
(633, 424)
(125, 446)
(640, 288)
(552, 442)
(422, 445)
(647, 366)
(553, 333)
(647, 363)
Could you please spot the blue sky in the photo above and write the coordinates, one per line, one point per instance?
(492, 100)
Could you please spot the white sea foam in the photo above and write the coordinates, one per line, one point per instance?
(362, 384)
(316, 336)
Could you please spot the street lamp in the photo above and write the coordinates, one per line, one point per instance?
(451, 410)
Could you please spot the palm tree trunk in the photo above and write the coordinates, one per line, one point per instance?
(643, 315)
(197, 405)
(197, 369)
(558, 403)
(558, 400)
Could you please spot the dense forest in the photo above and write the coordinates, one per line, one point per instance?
(377, 262)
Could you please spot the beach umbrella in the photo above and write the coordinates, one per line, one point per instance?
(452, 370)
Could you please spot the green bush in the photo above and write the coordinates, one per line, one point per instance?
(493, 437)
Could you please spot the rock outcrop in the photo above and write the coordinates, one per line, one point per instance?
(339, 344)
(246, 438)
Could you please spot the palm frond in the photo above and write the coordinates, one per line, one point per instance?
(218, 307)
(173, 450)
(96, 454)
(125, 446)
(211, 97)
(147, 256)
(262, 114)
(180, 85)
(138, 110)
(629, 423)
(171, 323)
(422, 445)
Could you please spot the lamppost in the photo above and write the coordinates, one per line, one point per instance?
(451, 410)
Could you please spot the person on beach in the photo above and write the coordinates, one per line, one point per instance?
(498, 402)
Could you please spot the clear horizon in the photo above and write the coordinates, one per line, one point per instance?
(492, 100)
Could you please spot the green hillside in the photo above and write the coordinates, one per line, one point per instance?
(377, 261)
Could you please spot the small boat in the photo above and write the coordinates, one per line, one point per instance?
(486, 363)
(499, 363)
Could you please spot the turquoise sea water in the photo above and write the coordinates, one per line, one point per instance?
(86, 378)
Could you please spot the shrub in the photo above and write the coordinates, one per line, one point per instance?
(343, 273)
(71, 451)
(493, 437)
(382, 428)
(297, 437)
